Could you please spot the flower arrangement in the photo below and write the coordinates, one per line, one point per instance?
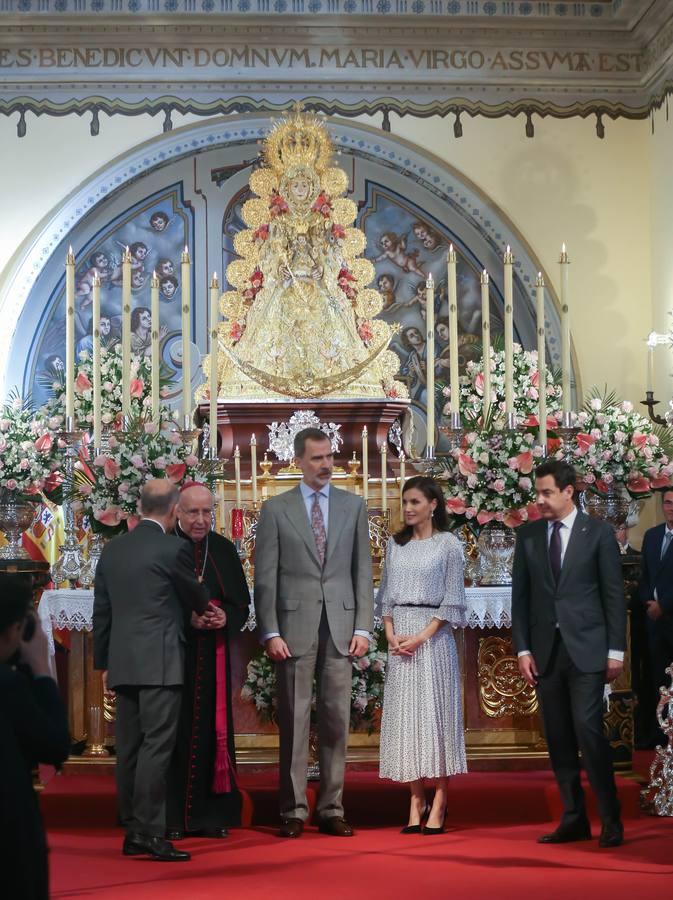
(615, 444)
(108, 487)
(526, 388)
(28, 445)
(111, 384)
(366, 687)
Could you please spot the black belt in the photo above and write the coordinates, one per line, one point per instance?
(414, 606)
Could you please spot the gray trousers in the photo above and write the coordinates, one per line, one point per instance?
(333, 672)
(146, 728)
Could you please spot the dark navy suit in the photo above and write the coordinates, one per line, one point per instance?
(657, 575)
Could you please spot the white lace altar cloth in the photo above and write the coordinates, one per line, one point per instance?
(489, 607)
(67, 610)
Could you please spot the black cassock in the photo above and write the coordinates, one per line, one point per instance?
(194, 802)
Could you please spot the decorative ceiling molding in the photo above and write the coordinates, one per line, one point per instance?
(607, 58)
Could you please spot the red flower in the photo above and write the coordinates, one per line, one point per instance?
(257, 279)
(466, 465)
(525, 462)
(484, 517)
(136, 388)
(638, 485)
(533, 512)
(261, 233)
(365, 331)
(236, 331)
(43, 443)
(456, 506)
(661, 481)
(514, 518)
(322, 205)
(338, 232)
(82, 383)
(176, 471)
(584, 441)
(277, 206)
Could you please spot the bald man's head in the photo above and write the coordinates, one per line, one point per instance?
(158, 500)
(195, 511)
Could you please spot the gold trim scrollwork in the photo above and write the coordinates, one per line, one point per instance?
(618, 723)
(502, 690)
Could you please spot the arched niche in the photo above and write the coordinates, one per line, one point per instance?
(411, 206)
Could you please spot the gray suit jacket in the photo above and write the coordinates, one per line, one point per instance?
(291, 586)
(144, 584)
(588, 602)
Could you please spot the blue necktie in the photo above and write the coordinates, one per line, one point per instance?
(555, 551)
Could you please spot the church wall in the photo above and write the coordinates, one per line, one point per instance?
(661, 264)
(565, 184)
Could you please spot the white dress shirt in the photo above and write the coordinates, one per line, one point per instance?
(564, 532)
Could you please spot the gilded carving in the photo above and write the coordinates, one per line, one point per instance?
(502, 690)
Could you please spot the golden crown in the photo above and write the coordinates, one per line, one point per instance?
(298, 140)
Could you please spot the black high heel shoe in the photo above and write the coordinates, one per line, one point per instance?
(440, 830)
(417, 829)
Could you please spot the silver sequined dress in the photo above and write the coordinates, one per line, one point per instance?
(422, 732)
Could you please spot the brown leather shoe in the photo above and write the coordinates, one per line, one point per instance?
(291, 828)
(337, 826)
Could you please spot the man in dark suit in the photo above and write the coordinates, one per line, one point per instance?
(315, 609)
(569, 630)
(656, 593)
(144, 583)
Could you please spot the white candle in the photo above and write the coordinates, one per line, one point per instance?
(365, 464)
(453, 332)
(384, 478)
(237, 475)
(651, 343)
(70, 335)
(185, 287)
(126, 332)
(214, 348)
(95, 361)
(156, 361)
(430, 364)
(253, 467)
(402, 479)
(486, 342)
(541, 359)
(508, 260)
(565, 332)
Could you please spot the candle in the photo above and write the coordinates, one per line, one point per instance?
(126, 332)
(70, 336)
(186, 338)
(97, 421)
(365, 464)
(214, 348)
(384, 477)
(508, 260)
(565, 333)
(486, 342)
(651, 344)
(253, 466)
(453, 332)
(402, 479)
(156, 362)
(430, 366)
(237, 475)
(541, 360)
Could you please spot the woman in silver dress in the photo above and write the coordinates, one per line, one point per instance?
(422, 596)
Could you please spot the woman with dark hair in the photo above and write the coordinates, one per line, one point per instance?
(422, 596)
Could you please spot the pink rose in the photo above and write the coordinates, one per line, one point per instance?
(471, 512)
(100, 460)
(85, 488)
(499, 485)
(111, 516)
(43, 443)
(176, 471)
(160, 462)
(136, 388)
(191, 460)
(11, 484)
(137, 461)
(82, 383)
(111, 469)
(150, 428)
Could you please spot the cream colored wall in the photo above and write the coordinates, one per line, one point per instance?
(563, 185)
(567, 185)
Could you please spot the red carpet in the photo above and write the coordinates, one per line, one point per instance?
(489, 848)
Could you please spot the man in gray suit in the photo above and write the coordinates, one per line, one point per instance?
(314, 603)
(145, 586)
(569, 630)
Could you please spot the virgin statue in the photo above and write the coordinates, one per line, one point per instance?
(300, 320)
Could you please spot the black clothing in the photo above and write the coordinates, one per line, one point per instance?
(33, 728)
(193, 804)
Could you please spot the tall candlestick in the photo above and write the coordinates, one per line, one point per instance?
(95, 310)
(651, 344)
(156, 361)
(214, 349)
(253, 467)
(126, 332)
(430, 365)
(70, 335)
(402, 480)
(237, 475)
(384, 477)
(565, 333)
(365, 464)
(508, 260)
(453, 332)
(486, 342)
(541, 359)
(186, 286)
